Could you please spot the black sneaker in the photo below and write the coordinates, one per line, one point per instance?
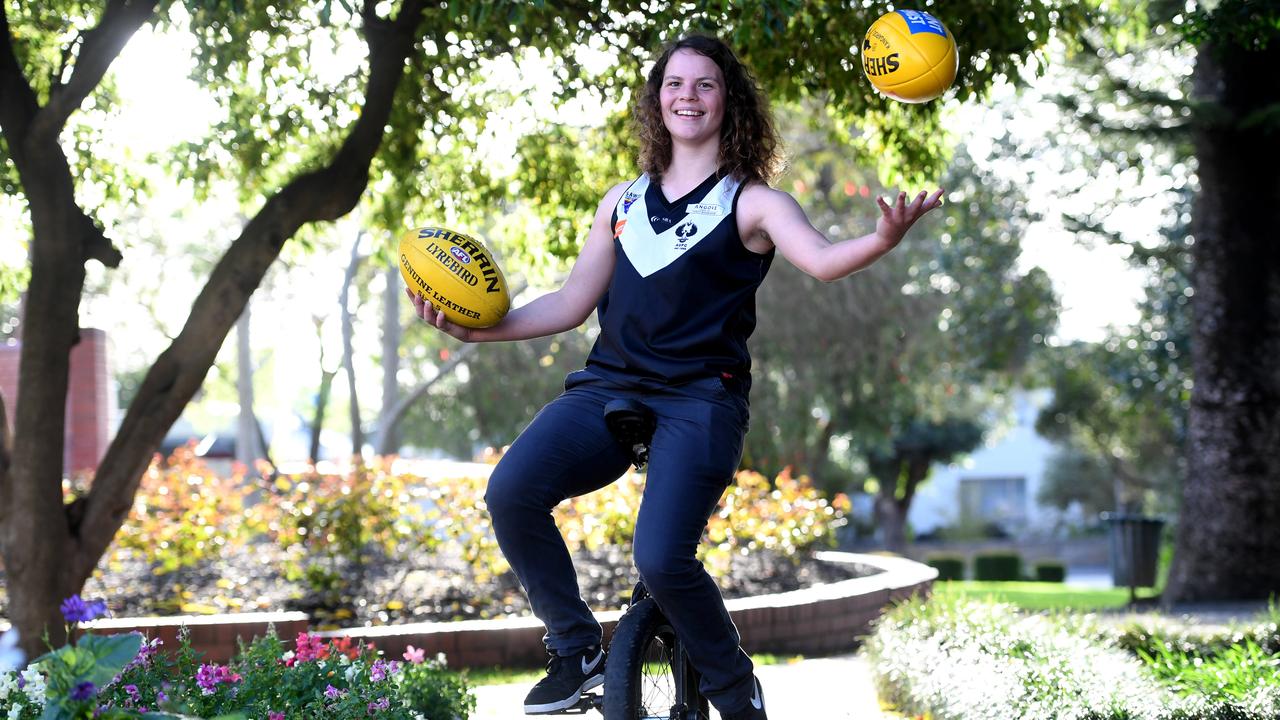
(754, 709)
(568, 676)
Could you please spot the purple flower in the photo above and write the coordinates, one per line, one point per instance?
(83, 691)
(76, 610)
(381, 704)
(332, 692)
(208, 677)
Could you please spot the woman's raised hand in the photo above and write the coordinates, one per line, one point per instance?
(896, 219)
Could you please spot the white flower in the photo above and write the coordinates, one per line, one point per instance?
(15, 711)
(34, 687)
(352, 671)
(7, 684)
(11, 657)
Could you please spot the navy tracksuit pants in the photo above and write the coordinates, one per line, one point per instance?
(568, 451)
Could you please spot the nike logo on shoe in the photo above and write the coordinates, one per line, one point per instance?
(588, 668)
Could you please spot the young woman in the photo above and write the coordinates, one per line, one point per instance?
(671, 265)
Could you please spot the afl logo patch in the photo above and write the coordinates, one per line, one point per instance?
(458, 253)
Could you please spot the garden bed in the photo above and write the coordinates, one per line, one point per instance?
(439, 589)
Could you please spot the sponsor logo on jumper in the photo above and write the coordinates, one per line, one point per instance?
(618, 226)
(659, 218)
(628, 199)
(714, 209)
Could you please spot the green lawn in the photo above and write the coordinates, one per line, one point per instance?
(1038, 595)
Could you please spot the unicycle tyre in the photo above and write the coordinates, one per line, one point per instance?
(640, 675)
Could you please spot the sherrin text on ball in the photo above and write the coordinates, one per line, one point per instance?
(456, 274)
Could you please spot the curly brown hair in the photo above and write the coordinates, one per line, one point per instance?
(750, 148)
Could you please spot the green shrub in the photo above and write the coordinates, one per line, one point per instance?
(1052, 572)
(960, 660)
(997, 566)
(949, 567)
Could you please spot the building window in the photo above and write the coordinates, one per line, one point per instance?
(1000, 500)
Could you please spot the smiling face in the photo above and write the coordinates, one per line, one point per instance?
(692, 97)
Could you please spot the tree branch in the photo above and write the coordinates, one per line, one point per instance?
(324, 194)
(18, 103)
(99, 48)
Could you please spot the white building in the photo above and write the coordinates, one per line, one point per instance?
(997, 483)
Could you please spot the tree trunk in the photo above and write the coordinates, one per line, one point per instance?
(1228, 536)
(248, 447)
(322, 396)
(50, 550)
(392, 300)
(892, 518)
(348, 346)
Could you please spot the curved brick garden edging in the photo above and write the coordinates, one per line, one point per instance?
(819, 620)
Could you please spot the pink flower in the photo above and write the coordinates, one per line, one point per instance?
(273, 715)
(310, 648)
(414, 655)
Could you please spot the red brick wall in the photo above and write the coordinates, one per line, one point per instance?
(9, 352)
(90, 402)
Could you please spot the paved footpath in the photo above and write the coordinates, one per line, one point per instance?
(833, 688)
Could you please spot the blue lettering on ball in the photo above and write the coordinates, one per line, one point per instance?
(918, 22)
(458, 253)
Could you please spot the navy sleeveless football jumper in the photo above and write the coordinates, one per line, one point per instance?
(681, 303)
(674, 324)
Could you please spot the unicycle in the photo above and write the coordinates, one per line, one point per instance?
(647, 675)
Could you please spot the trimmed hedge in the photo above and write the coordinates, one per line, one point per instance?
(949, 567)
(997, 566)
(1053, 572)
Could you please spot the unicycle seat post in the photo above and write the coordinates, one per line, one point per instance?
(631, 423)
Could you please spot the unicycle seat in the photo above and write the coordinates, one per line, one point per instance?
(632, 424)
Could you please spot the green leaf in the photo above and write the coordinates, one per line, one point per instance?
(111, 652)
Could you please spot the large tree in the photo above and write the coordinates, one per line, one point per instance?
(1221, 120)
(1228, 543)
(302, 145)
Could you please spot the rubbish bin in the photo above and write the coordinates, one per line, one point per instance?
(1135, 548)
